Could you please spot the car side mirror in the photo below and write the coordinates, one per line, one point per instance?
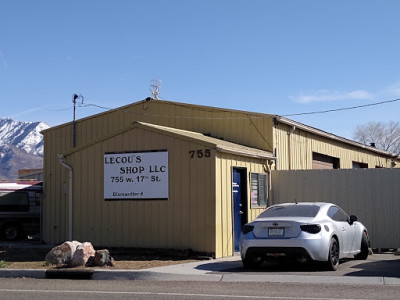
(353, 219)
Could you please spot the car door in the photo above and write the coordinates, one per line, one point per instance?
(346, 232)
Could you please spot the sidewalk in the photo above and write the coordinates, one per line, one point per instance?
(377, 270)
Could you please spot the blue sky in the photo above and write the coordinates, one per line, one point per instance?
(275, 57)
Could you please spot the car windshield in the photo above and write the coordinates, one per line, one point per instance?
(295, 210)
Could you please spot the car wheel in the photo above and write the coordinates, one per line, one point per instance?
(11, 232)
(251, 262)
(333, 255)
(364, 248)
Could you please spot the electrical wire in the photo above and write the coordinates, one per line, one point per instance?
(220, 118)
(341, 109)
(60, 109)
(95, 105)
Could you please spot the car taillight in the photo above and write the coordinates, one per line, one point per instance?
(311, 228)
(247, 228)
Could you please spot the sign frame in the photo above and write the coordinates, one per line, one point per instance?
(136, 175)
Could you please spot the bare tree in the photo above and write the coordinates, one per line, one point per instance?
(385, 136)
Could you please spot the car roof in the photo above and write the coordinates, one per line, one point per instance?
(320, 204)
(305, 208)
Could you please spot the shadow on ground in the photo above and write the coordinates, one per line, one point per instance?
(384, 268)
(377, 265)
(266, 267)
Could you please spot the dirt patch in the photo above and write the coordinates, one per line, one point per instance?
(33, 257)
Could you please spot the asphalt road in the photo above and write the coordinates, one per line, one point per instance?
(24, 288)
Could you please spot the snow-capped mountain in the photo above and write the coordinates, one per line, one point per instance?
(23, 135)
(21, 146)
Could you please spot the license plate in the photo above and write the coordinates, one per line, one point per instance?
(275, 231)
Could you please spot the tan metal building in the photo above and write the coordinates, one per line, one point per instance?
(162, 174)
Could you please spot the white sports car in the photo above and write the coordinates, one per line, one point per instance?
(305, 231)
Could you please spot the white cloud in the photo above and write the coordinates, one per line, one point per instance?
(330, 96)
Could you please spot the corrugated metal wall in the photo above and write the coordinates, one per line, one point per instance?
(240, 127)
(184, 221)
(373, 195)
(224, 222)
(55, 183)
(294, 150)
(197, 215)
(251, 129)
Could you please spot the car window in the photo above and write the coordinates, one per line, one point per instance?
(336, 214)
(14, 201)
(295, 210)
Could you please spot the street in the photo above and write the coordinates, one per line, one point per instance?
(378, 277)
(24, 288)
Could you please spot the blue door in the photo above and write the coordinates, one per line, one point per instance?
(239, 203)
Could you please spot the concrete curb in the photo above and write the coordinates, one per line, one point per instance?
(27, 273)
(69, 273)
(162, 276)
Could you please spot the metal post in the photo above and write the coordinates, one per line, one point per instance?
(74, 97)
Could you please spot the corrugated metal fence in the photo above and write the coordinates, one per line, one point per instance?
(373, 195)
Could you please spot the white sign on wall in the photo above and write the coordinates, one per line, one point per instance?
(136, 176)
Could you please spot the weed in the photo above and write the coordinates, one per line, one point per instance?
(3, 264)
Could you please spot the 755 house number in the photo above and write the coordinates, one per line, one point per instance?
(200, 153)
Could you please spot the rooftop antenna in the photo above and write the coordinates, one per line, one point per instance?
(155, 87)
(74, 98)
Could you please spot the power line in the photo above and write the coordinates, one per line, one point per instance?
(95, 105)
(80, 105)
(212, 118)
(60, 109)
(340, 109)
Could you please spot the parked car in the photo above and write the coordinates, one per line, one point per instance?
(20, 207)
(304, 231)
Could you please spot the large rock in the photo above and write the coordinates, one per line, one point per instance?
(70, 254)
(102, 258)
(82, 254)
(61, 255)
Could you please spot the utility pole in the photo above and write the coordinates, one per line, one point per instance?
(74, 98)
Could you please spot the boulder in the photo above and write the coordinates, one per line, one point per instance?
(62, 255)
(102, 258)
(82, 254)
(70, 254)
